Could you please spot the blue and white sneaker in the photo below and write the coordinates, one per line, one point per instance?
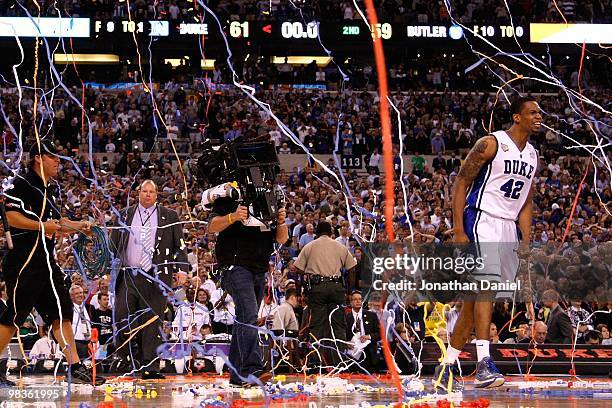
(487, 374)
(447, 379)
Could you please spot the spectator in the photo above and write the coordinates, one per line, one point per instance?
(308, 237)
(493, 334)
(412, 314)
(224, 311)
(233, 133)
(558, 322)
(191, 315)
(267, 311)
(343, 238)
(438, 162)
(103, 287)
(522, 334)
(363, 327)
(438, 145)
(374, 162)
(453, 164)
(605, 334)
(540, 332)
(284, 318)
(45, 348)
(402, 355)
(418, 164)
(592, 338)
(81, 322)
(580, 318)
(102, 318)
(285, 149)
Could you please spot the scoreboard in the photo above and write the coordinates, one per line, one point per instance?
(307, 32)
(292, 32)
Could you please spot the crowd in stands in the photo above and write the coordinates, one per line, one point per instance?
(421, 11)
(214, 313)
(582, 264)
(441, 112)
(125, 128)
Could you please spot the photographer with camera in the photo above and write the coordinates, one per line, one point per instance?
(243, 252)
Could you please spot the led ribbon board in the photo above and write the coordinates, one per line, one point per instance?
(44, 27)
(571, 33)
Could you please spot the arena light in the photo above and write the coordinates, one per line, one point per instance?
(175, 62)
(554, 33)
(302, 60)
(207, 64)
(86, 58)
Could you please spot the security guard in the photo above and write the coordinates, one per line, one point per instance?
(32, 276)
(323, 259)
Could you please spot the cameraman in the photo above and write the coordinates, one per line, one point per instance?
(244, 253)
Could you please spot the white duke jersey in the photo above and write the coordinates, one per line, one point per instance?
(502, 186)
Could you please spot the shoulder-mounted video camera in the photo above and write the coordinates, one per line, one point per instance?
(245, 171)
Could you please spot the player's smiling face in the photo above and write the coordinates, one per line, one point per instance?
(530, 117)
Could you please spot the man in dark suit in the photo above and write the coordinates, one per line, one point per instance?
(363, 325)
(452, 163)
(149, 244)
(439, 162)
(560, 328)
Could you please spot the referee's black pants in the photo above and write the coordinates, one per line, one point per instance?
(328, 321)
(137, 300)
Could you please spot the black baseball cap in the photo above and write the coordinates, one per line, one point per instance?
(46, 147)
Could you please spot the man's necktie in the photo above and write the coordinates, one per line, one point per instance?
(147, 243)
(84, 322)
(357, 328)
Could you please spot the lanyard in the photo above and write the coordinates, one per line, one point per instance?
(149, 217)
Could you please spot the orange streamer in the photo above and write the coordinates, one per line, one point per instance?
(385, 120)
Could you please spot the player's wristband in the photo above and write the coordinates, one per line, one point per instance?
(229, 218)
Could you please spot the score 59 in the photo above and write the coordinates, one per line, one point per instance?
(382, 30)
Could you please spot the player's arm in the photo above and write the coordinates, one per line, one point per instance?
(67, 225)
(483, 152)
(18, 220)
(525, 218)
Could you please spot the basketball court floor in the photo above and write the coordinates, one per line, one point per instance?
(350, 391)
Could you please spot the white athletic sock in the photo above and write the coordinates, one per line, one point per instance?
(482, 349)
(452, 354)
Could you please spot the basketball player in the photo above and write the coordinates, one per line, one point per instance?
(492, 194)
